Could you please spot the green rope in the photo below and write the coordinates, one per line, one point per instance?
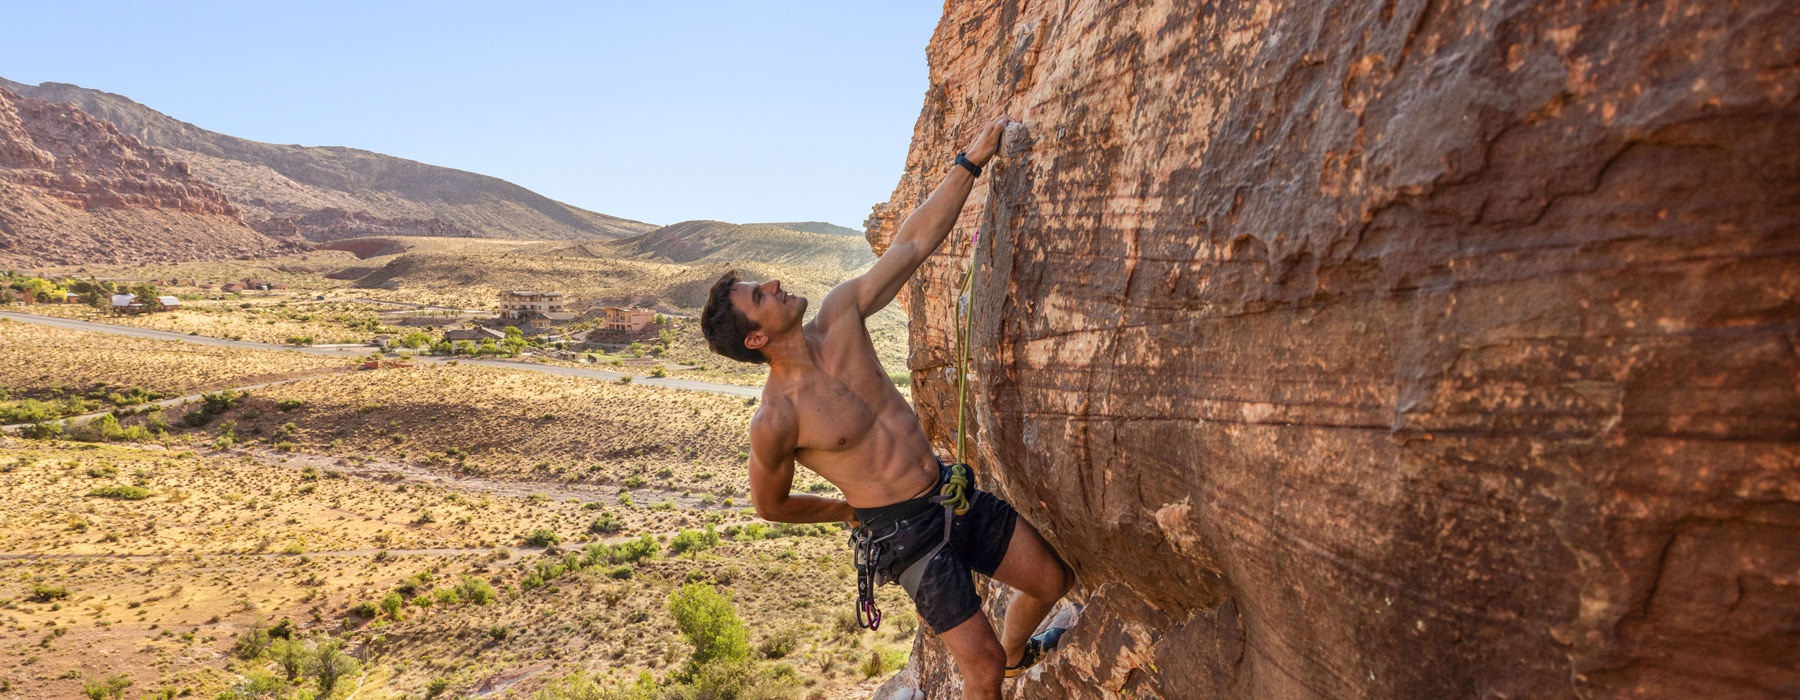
(966, 309)
(956, 489)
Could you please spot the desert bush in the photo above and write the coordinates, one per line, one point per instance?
(366, 609)
(330, 664)
(634, 551)
(605, 524)
(706, 619)
(28, 411)
(293, 655)
(103, 429)
(255, 641)
(42, 431)
(299, 340)
(542, 537)
(780, 644)
(112, 687)
(44, 594)
(475, 590)
(392, 604)
(121, 492)
(693, 541)
(881, 661)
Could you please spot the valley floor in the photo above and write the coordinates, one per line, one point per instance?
(442, 530)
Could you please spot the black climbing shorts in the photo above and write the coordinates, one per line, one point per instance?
(944, 593)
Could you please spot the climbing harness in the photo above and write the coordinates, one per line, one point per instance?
(870, 543)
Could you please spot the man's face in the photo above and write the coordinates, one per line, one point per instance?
(768, 305)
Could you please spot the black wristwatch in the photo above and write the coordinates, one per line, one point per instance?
(962, 159)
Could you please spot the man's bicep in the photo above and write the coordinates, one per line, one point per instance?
(771, 466)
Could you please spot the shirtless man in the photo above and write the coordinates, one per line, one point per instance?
(830, 406)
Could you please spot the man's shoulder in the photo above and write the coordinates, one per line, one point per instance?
(774, 413)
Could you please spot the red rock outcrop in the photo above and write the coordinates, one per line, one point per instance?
(75, 190)
(1402, 349)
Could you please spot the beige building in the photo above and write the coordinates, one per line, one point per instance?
(521, 305)
(627, 318)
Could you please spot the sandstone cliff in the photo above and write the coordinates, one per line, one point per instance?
(1405, 349)
(75, 190)
(333, 193)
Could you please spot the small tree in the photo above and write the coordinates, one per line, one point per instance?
(293, 655)
(706, 619)
(331, 664)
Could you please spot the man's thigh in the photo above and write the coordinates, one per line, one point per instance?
(1031, 565)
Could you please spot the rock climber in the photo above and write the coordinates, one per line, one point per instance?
(830, 406)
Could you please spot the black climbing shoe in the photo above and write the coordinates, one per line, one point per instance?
(1035, 649)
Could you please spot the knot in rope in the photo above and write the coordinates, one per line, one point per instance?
(955, 492)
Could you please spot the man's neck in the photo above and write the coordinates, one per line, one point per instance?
(790, 355)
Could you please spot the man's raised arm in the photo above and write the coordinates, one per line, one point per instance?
(922, 232)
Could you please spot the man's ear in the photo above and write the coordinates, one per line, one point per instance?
(756, 340)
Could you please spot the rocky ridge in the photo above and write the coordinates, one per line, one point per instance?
(1411, 349)
(76, 190)
(332, 193)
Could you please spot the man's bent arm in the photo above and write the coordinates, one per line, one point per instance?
(772, 476)
(921, 233)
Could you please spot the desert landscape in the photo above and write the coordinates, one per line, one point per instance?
(427, 529)
(263, 467)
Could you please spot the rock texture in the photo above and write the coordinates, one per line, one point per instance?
(1400, 349)
(75, 190)
(332, 193)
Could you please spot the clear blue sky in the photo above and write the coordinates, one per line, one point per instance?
(656, 111)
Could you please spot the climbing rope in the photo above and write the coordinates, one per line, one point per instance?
(965, 309)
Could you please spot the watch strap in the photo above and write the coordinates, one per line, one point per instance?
(962, 159)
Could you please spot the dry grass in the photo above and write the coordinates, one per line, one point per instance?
(319, 508)
(160, 589)
(473, 420)
(38, 360)
(262, 317)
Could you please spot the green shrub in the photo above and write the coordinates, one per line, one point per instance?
(542, 537)
(705, 617)
(254, 642)
(391, 605)
(693, 541)
(605, 524)
(44, 594)
(475, 590)
(122, 492)
(28, 411)
(779, 645)
(289, 404)
(112, 687)
(634, 551)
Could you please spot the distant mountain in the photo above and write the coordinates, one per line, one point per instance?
(721, 242)
(331, 193)
(815, 227)
(75, 190)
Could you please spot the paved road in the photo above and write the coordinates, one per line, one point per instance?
(348, 351)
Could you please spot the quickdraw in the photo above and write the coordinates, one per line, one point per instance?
(869, 549)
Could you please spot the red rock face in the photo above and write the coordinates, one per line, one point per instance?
(76, 190)
(1385, 349)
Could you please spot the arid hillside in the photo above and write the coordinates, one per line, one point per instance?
(74, 189)
(717, 241)
(329, 193)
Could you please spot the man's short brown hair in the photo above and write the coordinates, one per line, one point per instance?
(725, 326)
